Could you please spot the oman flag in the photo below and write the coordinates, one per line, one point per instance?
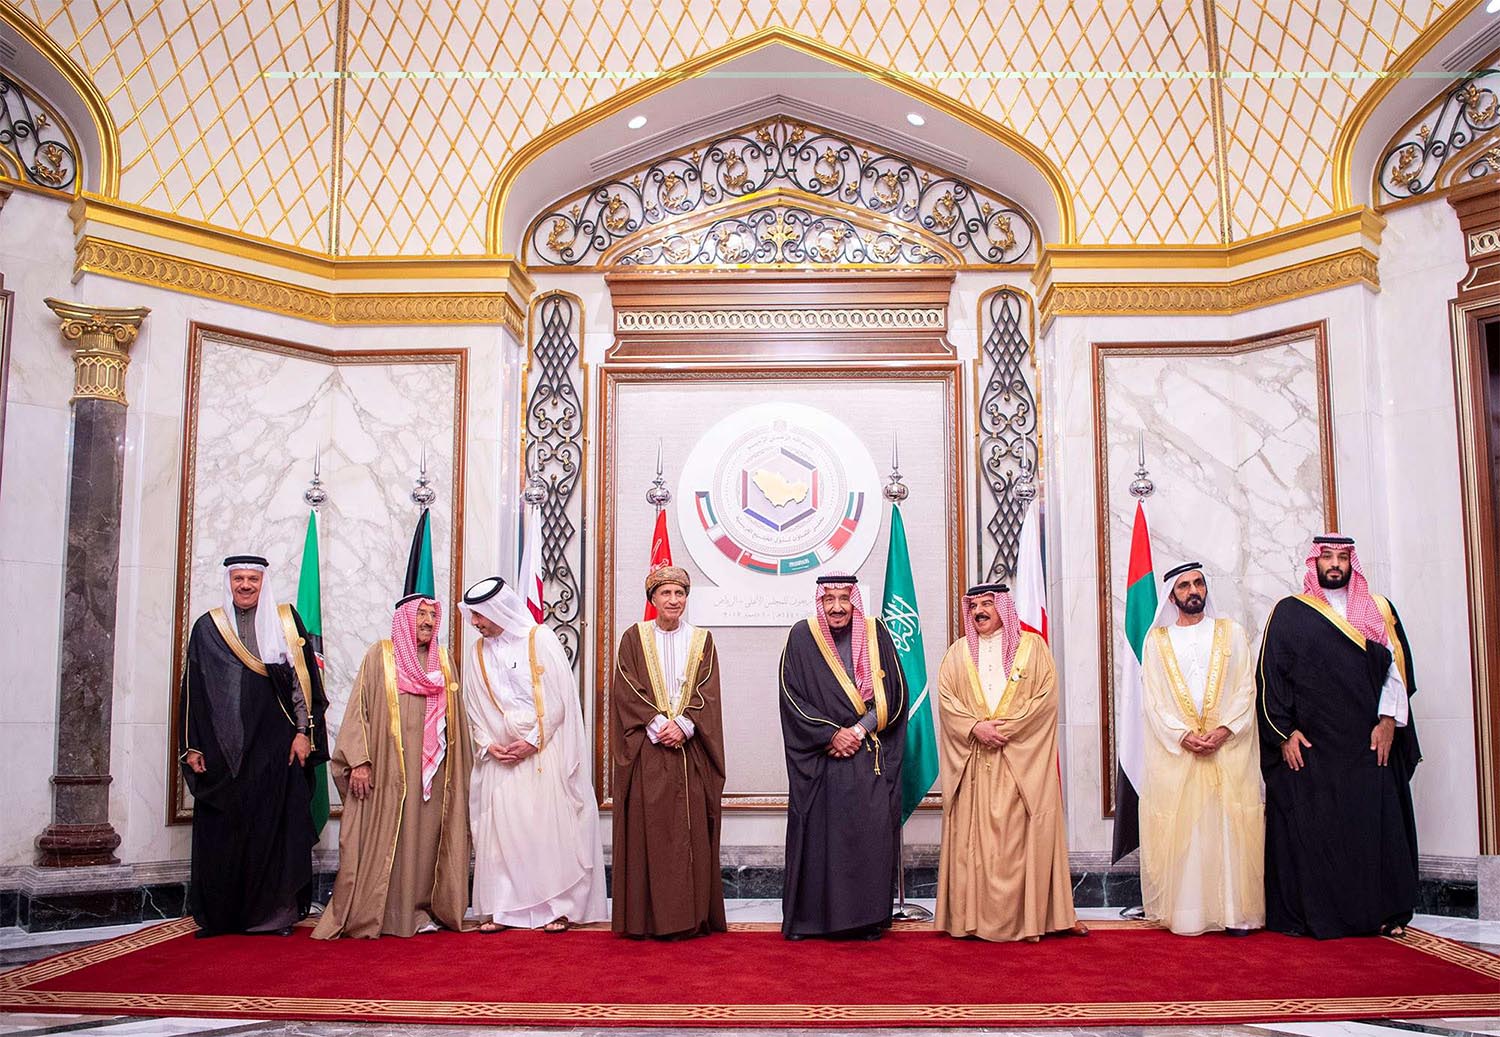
(661, 554)
(1130, 746)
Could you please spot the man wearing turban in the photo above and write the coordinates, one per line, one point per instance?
(843, 719)
(1003, 872)
(402, 767)
(1337, 748)
(667, 748)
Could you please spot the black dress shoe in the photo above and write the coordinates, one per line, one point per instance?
(1238, 932)
(873, 933)
(795, 936)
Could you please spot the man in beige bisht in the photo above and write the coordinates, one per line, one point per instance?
(1003, 873)
(1202, 820)
(538, 861)
(402, 767)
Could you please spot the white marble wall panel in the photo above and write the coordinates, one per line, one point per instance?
(261, 414)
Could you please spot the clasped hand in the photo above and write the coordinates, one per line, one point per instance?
(846, 742)
(1205, 745)
(988, 734)
(514, 752)
(670, 735)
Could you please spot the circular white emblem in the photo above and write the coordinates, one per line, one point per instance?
(778, 489)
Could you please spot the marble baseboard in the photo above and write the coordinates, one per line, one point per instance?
(80, 909)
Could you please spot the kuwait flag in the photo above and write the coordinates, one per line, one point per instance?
(661, 554)
(898, 610)
(310, 608)
(1031, 575)
(530, 577)
(419, 560)
(1130, 746)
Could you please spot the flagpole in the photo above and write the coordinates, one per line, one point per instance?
(896, 491)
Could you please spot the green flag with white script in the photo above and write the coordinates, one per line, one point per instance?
(310, 608)
(898, 610)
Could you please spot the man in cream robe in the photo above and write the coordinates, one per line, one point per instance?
(402, 767)
(1003, 873)
(1202, 822)
(538, 861)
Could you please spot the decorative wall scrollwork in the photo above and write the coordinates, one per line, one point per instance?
(554, 422)
(34, 138)
(978, 225)
(1009, 450)
(1456, 138)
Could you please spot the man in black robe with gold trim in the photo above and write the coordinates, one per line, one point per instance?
(843, 719)
(1338, 749)
(252, 728)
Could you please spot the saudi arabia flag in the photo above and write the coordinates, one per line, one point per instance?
(1130, 718)
(310, 608)
(919, 764)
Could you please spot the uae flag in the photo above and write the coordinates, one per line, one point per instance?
(1130, 746)
(661, 554)
(530, 577)
(898, 610)
(310, 608)
(419, 560)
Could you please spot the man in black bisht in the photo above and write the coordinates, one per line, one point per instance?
(1338, 748)
(252, 707)
(843, 717)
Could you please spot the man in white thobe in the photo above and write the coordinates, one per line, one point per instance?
(1202, 819)
(538, 860)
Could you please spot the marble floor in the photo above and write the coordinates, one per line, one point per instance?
(17, 948)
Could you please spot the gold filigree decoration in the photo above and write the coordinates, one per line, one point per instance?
(821, 318)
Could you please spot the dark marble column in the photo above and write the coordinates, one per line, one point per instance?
(80, 832)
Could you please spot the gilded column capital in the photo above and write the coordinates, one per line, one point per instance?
(100, 337)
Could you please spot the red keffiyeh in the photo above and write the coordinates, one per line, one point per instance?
(412, 679)
(1010, 626)
(860, 646)
(1362, 613)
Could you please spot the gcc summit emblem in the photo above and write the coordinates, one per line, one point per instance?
(778, 489)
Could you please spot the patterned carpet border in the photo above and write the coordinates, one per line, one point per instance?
(16, 995)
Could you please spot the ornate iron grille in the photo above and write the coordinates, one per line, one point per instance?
(554, 453)
(981, 226)
(1455, 142)
(46, 160)
(782, 234)
(1008, 449)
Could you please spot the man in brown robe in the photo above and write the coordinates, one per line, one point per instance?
(668, 748)
(1003, 873)
(402, 766)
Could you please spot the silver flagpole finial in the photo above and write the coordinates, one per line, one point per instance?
(422, 495)
(658, 496)
(315, 496)
(1141, 486)
(1024, 488)
(535, 491)
(895, 490)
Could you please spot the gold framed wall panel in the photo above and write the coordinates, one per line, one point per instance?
(1317, 335)
(177, 809)
(947, 376)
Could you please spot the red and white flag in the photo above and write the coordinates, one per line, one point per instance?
(531, 562)
(1031, 576)
(661, 554)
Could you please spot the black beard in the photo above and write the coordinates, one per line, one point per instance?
(1330, 582)
(1193, 605)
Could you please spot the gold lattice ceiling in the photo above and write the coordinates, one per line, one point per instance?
(213, 128)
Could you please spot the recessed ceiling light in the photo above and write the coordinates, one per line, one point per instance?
(917, 120)
(640, 120)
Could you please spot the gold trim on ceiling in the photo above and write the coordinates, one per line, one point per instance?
(538, 146)
(144, 266)
(1370, 100)
(108, 173)
(1354, 266)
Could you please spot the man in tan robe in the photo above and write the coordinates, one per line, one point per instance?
(1003, 873)
(1203, 827)
(402, 766)
(667, 740)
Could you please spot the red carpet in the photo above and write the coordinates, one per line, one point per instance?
(1123, 974)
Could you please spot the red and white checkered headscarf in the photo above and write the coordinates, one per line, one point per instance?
(412, 679)
(860, 646)
(1010, 621)
(1362, 613)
